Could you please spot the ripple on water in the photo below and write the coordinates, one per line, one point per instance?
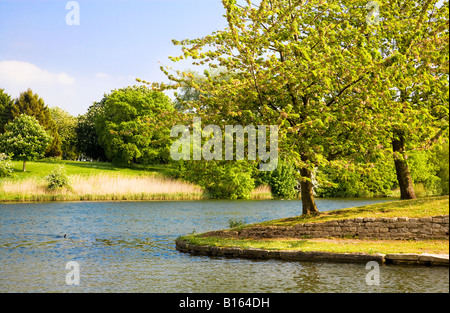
(129, 247)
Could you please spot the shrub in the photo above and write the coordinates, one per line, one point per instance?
(6, 168)
(282, 181)
(58, 178)
(222, 180)
(235, 223)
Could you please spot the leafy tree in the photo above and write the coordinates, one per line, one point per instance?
(412, 80)
(87, 138)
(66, 127)
(295, 64)
(127, 129)
(5, 107)
(25, 139)
(31, 104)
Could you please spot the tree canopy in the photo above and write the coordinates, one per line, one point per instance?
(126, 126)
(24, 139)
(31, 104)
(320, 71)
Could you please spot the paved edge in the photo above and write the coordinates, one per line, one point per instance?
(293, 255)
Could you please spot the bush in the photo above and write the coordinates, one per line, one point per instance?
(222, 180)
(6, 168)
(58, 178)
(282, 181)
(234, 223)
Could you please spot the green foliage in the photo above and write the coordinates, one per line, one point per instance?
(282, 181)
(5, 109)
(236, 223)
(127, 127)
(222, 180)
(430, 170)
(441, 159)
(58, 178)
(87, 138)
(25, 139)
(6, 168)
(66, 125)
(31, 104)
(303, 66)
(344, 183)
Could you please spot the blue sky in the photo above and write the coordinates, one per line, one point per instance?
(116, 42)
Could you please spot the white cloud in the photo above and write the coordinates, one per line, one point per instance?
(74, 95)
(24, 73)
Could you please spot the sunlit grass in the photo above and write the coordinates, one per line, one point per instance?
(407, 208)
(327, 245)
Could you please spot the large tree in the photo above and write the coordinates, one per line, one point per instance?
(87, 138)
(5, 105)
(127, 129)
(295, 64)
(25, 139)
(66, 125)
(31, 104)
(413, 79)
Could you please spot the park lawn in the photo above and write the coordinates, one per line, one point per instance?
(40, 169)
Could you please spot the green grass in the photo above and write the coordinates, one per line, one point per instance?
(40, 169)
(327, 245)
(424, 207)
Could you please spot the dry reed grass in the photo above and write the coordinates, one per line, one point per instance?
(110, 187)
(261, 192)
(102, 187)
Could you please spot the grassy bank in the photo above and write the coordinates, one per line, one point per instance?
(414, 209)
(95, 181)
(423, 207)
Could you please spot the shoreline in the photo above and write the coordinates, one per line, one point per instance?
(404, 232)
(424, 259)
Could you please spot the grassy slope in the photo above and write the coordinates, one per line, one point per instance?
(414, 208)
(40, 169)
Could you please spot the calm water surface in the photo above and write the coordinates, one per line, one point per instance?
(129, 247)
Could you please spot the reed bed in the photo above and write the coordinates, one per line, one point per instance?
(262, 192)
(101, 187)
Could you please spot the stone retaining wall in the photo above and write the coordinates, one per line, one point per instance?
(290, 255)
(397, 228)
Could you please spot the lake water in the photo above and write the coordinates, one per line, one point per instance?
(129, 247)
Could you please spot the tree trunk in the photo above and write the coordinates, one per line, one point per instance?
(24, 166)
(401, 167)
(306, 189)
